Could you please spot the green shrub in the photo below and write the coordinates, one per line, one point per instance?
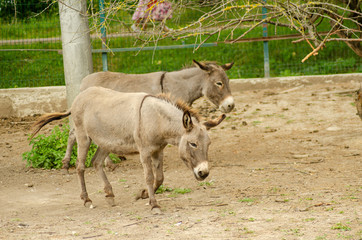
(48, 151)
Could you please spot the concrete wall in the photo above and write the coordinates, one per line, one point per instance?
(290, 82)
(21, 102)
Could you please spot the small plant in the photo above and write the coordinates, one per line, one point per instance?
(256, 122)
(247, 200)
(341, 226)
(309, 219)
(48, 151)
(231, 212)
(274, 190)
(247, 231)
(174, 192)
(181, 190)
(163, 189)
(206, 183)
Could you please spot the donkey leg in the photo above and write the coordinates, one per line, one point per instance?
(83, 146)
(147, 169)
(68, 153)
(158, 167)
(98, 160)
(157, 160)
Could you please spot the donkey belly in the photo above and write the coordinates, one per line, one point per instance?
(117, 138)
(113, 140)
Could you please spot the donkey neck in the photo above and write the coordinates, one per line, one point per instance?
(186, 84)
(173, 129)
(164, 122)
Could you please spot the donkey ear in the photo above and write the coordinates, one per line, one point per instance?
(203, 66)
(227, 66)
(213, 123)
(187, 121)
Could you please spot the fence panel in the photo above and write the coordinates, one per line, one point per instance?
(31, 56)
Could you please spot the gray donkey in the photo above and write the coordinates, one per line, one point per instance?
(123, 123)
(204, 79)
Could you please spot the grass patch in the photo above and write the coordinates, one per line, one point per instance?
(255, 123)
(341, 226)
(309, 219)
(173, 191)
(206, 183)
(248, 200)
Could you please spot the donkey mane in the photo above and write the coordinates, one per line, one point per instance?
(183, 106)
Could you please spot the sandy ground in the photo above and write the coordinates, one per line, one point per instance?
(285, 165)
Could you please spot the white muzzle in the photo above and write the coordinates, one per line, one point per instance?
(227, 104)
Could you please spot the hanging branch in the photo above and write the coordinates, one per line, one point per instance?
(344, 16)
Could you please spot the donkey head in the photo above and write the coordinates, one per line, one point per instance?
(194, 144)
(216, 87)
(358, 102)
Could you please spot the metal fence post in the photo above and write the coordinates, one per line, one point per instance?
(265, 45)
(104, 35)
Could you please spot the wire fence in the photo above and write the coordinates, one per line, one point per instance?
(31, 56)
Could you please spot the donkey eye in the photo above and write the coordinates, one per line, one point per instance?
(194, 145)
(219, 84)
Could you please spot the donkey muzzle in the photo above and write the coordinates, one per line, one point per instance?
(201, 171)
(227, 104)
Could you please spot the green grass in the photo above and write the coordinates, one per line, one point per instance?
(173, 192)
(206, 183)
(247, 200)
(41, 68)
(341, 226)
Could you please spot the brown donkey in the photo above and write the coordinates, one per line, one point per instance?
(124, 123)
(204, 79)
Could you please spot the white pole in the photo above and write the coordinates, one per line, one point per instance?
(77, 51)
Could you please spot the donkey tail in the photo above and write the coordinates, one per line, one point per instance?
(45, 119)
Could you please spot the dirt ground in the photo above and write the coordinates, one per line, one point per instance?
(286, 164)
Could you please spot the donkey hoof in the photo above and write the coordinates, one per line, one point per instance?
(89, 204)
(156, 211)
(110, 201)
(142, 195)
